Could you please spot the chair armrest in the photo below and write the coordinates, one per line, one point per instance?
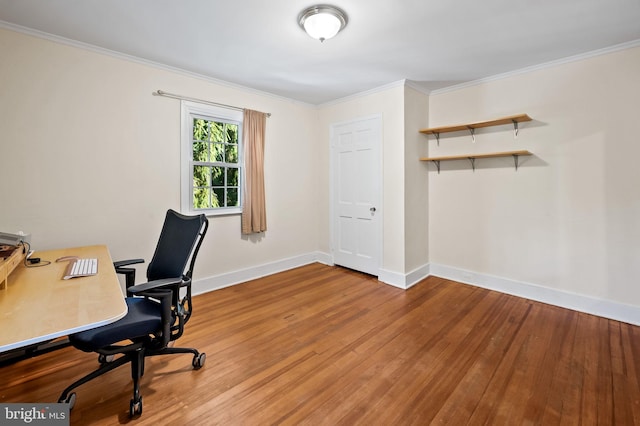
(129, 273)
(121, 263)
(164, 296)
(152, 285)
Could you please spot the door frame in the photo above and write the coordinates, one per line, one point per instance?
(332, 185)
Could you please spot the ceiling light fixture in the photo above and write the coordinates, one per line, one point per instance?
(322, 21)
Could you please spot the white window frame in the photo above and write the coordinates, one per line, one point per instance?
(189, 111)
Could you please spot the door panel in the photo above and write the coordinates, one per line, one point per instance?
(356, 225)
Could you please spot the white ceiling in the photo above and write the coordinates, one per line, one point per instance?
(258, 43)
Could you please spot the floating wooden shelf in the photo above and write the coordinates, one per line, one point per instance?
(473, 157)
(471, 127)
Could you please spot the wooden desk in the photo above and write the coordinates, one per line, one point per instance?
(37, 305)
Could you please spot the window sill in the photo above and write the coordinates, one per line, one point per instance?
(216, 212)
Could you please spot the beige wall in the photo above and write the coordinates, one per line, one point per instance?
(569, 218)
(88, 156)
(389, 103)
(73, 121)
(416, 177)
(405, 179)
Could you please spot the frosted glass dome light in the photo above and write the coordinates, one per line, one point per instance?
(322, 22)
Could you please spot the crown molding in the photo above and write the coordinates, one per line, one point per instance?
(392, 85)
(383, 88)
(135, 59)
(408, 83)
(415, 86)
(575, 58)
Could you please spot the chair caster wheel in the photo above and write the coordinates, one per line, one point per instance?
(70, 399)
(198, 361)
(135, 408)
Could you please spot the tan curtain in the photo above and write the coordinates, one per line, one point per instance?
(254, 217)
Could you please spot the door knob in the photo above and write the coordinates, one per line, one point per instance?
(372, 209)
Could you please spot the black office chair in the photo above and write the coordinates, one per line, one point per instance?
(157, 310)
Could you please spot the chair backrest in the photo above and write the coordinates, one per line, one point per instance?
(178, 246)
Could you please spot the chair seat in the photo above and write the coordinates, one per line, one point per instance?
(142, 318)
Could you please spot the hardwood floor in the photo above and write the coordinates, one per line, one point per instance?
(322, 345)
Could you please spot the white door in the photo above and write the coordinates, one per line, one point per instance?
(356, 194)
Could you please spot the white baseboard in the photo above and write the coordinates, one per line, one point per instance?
(228, 279)
(577, 302)
(404, 281)
(395, 279)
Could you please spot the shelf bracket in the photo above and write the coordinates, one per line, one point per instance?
(515, 161)
(473, 134)
(473, 163)
(437, 134)
(437, 163)
(515, 128)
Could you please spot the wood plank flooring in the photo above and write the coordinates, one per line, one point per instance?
(322, 345)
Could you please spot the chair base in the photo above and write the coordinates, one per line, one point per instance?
(137, 360)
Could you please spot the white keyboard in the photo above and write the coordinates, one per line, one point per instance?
(81, 268)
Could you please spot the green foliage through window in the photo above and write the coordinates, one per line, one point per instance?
(216, 172)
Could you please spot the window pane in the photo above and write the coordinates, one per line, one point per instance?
(232, 133)
(200, 130)
(213, 168)
(201, 198)
(217, 176)
(217, 132)
(232, 176)
(201, 176)
(231, 151)
(218, 197)
(232, 197)
(217, 152)
(200, 151)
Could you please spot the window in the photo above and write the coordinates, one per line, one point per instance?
(211, 159)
